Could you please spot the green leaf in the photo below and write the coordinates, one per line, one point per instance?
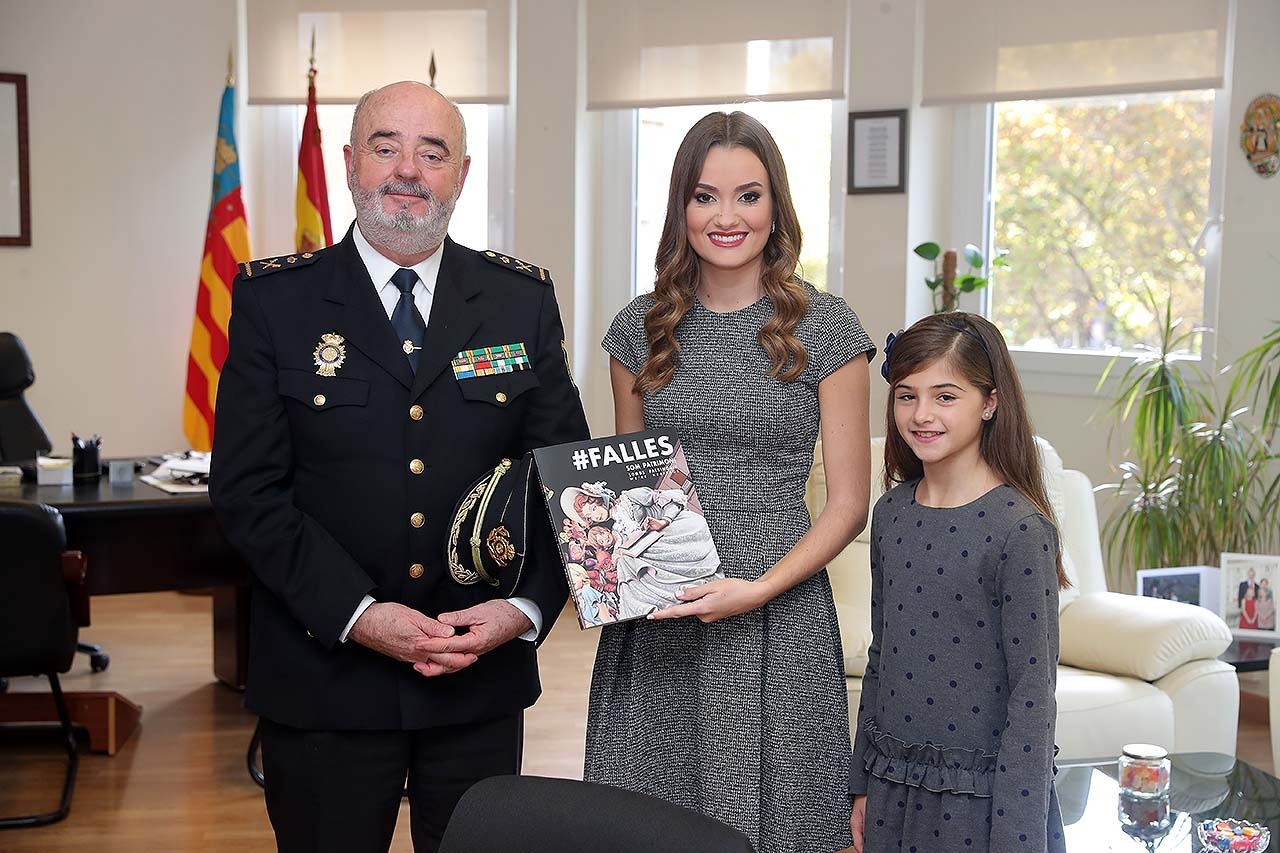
(969, 283)
(933, 283)
(973, 256)
(928, 251)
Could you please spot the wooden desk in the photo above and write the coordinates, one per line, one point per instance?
(141, 539)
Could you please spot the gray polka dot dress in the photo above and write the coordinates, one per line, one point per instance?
(745, 719)
(954, 743)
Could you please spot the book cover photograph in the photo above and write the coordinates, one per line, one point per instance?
(631, 532)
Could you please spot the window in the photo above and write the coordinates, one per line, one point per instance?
(1100, 201)
(802, 130)
(470, 223)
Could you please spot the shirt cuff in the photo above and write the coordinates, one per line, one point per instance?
(364, 605)
(528, 608)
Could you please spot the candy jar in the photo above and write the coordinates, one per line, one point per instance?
(1144, 771)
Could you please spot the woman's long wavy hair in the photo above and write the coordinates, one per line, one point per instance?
(972, 346)
(677, 264)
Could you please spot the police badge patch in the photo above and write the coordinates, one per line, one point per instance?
(330, 353)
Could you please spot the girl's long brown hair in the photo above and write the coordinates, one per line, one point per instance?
(677, 263)
(976, 349)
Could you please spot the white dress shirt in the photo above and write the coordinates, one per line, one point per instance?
(380, 269)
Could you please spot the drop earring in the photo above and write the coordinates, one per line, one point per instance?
(773, 226)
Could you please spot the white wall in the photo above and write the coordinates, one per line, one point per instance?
(123, 107)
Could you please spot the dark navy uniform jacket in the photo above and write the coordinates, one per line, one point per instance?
(334, 487)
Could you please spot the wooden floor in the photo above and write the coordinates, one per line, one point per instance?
(180, 784)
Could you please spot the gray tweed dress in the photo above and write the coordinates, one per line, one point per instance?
(746, 719)
(954, 747)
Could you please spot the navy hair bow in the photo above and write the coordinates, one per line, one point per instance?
(888, 350)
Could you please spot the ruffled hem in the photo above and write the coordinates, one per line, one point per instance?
(925, 765)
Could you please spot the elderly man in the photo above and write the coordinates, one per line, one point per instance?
(343, 441)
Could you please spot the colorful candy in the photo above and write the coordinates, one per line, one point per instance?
(1233, 836)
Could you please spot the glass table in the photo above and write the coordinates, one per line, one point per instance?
(1202, 785)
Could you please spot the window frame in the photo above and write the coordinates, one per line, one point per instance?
(1069, 371)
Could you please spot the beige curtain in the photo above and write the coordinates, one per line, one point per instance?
(1008, 50)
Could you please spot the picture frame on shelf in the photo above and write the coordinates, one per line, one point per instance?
(877, 152)
(1198, 585)
(1248, 591)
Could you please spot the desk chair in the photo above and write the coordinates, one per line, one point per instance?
(531, 814)
(43, 602)
(23, 437)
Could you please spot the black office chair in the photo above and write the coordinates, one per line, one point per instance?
(23, 437)
(532, 814)
(42, 603)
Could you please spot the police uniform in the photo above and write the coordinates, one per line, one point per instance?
(336, 468)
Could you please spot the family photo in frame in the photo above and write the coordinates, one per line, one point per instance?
(1249, 593)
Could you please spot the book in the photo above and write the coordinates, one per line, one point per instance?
(629, 527)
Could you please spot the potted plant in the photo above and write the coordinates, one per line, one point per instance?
(1199, 477)
(945, 284)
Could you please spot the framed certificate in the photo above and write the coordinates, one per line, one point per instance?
(15, 189)
(878, 152)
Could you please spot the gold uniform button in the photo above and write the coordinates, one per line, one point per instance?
(415, 412)
(416, 466)
(501, 397)
(417, 519)
(416, 570)
(318, 399)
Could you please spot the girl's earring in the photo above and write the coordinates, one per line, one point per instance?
(986, 416)
(773, 226)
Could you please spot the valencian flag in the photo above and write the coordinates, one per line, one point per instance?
(314, 230)
(226, 244)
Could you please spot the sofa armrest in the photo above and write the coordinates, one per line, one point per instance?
(1144, 638)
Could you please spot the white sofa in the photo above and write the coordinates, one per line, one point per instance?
(1131, 669)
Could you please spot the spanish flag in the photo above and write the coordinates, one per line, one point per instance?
(314, 230)
(226, 244)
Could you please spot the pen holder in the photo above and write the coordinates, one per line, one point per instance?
(85, 465)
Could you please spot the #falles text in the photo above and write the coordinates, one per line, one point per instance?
(624, 451)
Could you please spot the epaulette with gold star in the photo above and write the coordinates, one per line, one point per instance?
(266, 266)
(534, 271)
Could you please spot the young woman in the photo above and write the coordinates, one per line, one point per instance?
(733, 703)
(954, 747)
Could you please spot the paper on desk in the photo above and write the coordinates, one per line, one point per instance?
(176, 473)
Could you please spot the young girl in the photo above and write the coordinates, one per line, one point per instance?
(733, 703)
(954, 745)
(1249, 609)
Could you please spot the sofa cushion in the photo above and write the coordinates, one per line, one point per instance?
(1145, 638)
(1098, 714)
(850, 574)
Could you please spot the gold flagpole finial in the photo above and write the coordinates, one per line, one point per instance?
(230, 69)
(431, 69)
(311, 72)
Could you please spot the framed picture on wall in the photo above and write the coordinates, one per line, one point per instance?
(15, 182)
(1199, 585)
(1249, 594)
(878, 152)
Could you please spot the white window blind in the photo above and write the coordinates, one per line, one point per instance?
(659, 53)
(1012, 50)
(358, 50)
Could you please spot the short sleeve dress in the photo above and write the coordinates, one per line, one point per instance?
(954, 746)
(745, 719)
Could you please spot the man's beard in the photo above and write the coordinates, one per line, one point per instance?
(402, 232)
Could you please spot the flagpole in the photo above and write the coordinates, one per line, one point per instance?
(311, 73)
